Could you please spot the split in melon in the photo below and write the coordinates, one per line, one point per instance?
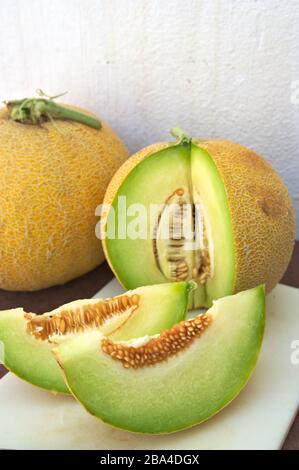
(239, 211)
(168, 382)
(28, 338)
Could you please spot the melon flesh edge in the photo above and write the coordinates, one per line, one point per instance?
(207, 184)
(178, 393)
(25, 356)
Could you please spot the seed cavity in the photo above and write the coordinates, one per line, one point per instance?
(76, 320)
(158, 349)
(180, 242)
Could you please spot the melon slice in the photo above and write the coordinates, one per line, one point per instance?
(28, 338)
(174, 380)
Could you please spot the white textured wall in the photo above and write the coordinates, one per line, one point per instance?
(215, 67)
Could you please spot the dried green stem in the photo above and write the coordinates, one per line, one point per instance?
(37, 110)
(181, 136)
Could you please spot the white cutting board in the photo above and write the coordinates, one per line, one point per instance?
(258, 419)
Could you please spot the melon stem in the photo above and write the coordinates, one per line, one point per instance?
(181, 136)
(37, 110)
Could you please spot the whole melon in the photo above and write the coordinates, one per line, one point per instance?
(247, 229)
(52, 178)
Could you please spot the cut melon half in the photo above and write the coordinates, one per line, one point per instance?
(29, 338)
(187, 234)
(168, 382)
(238, 214)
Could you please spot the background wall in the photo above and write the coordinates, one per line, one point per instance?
(221, 68)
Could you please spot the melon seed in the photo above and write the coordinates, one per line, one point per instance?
(76, 320)
(160, 348)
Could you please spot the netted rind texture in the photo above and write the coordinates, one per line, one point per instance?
(52, 179)
(261, 212)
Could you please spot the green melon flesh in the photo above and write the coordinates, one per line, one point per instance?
(152, 181)
(32, 360)
(28, 358)
(178, 393)
(161, 306)
(207, 183)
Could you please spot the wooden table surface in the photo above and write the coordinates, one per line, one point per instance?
(88, 285)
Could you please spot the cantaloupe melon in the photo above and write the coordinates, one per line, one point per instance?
(53, 175)
(247, 232)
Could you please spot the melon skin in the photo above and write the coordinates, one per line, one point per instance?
(263, 223)
(52, 178)
(260, 210)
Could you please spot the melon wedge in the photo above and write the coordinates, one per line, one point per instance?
(28, 338)
(183, 380)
